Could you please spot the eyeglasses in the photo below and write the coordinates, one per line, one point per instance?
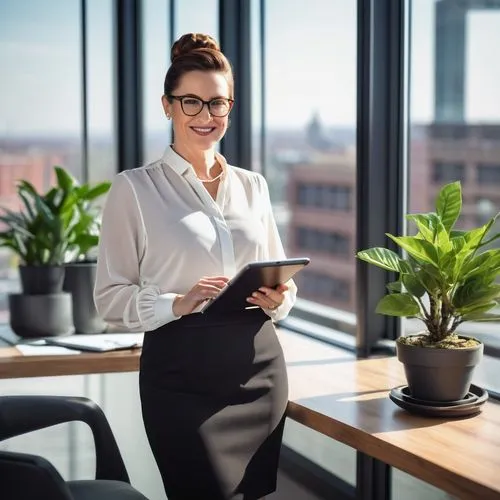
(192, 105)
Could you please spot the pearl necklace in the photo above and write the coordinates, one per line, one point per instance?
(212, 180)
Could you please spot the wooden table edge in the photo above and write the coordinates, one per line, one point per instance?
(14, 364)
(393, 455)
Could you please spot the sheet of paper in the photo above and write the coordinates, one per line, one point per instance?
(44, 350)
(123, 337)
(105, 340)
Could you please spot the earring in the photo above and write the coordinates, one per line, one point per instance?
(168, 116)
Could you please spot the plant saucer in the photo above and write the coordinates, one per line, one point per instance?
(470, 397)
(460, 410)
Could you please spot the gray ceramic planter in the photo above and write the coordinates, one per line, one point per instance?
(41, 315)
(79, 280)
(438, 374)
(41, 280)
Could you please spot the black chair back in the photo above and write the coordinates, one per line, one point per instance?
(30, 477)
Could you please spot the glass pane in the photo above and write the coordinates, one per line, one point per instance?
(310, 125)
(407, 487)
(455, 124)
(330, 455)
(197, 16)
(310, 165)
(156, 57)
(100, 94)
(41, 102)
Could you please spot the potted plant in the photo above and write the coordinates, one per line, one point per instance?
(50, 229)
(37, 235)
(447, 277)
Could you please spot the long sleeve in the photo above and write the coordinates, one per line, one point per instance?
(276, 252)
(120, 295)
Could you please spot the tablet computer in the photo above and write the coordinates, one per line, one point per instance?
(249, 279)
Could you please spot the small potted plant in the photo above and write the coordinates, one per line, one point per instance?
(45, 234)
(446, 278)
(37, 234)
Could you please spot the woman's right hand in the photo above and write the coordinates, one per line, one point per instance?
(206, 288)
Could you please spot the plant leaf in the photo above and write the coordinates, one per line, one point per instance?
(394, 287)
(97, 190)
(398, 304)
(474, 293)
(449, 204)
(481, 317)
(381, 257)
(430, 278)
(484, 261)
(419, 249)
(413, 285)
(442, 240)
(426, 224)
(478, 309)
(65, 181)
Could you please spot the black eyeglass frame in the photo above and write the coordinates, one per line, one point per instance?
(207, 103)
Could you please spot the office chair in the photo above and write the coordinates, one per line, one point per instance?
(31, 477)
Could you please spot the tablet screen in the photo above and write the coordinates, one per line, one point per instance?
(251, 278)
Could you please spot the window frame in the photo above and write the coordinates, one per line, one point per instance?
(128, 83)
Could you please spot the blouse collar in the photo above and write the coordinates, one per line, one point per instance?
(183, 167)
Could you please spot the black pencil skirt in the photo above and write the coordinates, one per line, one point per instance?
(214, 392)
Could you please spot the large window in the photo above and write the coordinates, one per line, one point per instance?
(56, 100)
(40, 103)
(310, 165)
(100, 101)
(197, 16)
(455, 122)
(156, 60)
(310, 117)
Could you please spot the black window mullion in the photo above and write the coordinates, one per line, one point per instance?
(84, 103)
(235, 39)
(381, 156)
(128, 83)
(382, 140)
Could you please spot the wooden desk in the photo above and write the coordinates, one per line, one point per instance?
(346, 400)
(14, 365)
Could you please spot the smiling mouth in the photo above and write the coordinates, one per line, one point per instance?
(203, 130)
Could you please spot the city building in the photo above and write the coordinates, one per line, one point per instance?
(322, 224)
(35, 167)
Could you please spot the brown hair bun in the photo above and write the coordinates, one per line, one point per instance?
(190, 42)
(196, 52)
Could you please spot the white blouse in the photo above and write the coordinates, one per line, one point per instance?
(162, 231)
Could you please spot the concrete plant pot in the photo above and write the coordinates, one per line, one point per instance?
(33, 316)
(40, 280)
(79, 281)
(439, 374)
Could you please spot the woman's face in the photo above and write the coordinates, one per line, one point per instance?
(203, 130)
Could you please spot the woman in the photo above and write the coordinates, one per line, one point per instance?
(213, 387)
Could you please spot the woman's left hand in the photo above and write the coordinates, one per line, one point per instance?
(268, 298)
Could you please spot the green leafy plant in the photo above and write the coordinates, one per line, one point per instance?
(59, 226)
(448, 276)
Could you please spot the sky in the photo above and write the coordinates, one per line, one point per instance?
(310, 62)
